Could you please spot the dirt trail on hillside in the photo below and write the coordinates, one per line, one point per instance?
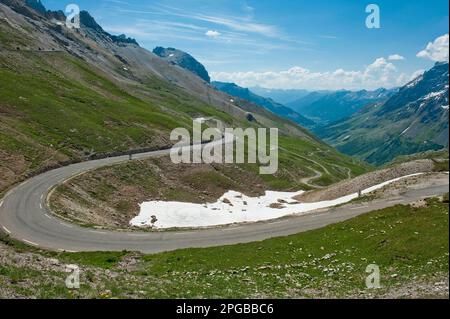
(317, 174)
(367, 180)
(308, 180)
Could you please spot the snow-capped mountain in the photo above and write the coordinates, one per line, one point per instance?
(413, 120)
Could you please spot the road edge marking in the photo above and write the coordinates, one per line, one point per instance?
(6, 230)
(67, 251)
(30, 242)
(98, 232)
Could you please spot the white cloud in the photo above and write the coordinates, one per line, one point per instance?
(236, 23)
(396, 57)
(213, 34)
(240, 25)
(380, 73)
(332, 37)
(437, 50)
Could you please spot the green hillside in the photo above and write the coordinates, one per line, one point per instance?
(414, 120)
(69, 96)
(49, 116)
(410, 246)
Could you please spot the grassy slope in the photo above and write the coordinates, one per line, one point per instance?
(55, 107)
(91, 113)
(47, 117)
(379, 140)
(441, 155)
(409, 245)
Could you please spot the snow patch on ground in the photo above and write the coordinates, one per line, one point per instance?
(434, 95)
(405, 131)
(234, 207)
(408, 128)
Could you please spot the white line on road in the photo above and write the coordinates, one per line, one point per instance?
(97, 232)
(138, 235)
(236, 228)
(359, 207)
(6, 230)
(66, 225)
(67, 251)
(48, 216)
(183, 233)
(1, 203)
(40, 206)
(29, 242)
(395, 200)
(268, 222)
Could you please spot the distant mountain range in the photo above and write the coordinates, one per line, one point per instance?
(280, 95)
(308, 109)
(415, 119)
(184, 60)
(188, 62)
(324, 107)
(346, 119)
(269, 104)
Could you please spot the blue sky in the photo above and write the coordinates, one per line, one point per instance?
(320, 44)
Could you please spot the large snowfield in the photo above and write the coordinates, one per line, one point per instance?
(234, 207)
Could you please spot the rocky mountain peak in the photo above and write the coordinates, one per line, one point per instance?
(184, 60)
(36, 5)
(432, 82)
(89, 22)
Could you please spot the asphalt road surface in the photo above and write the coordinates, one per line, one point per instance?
(24, 216)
